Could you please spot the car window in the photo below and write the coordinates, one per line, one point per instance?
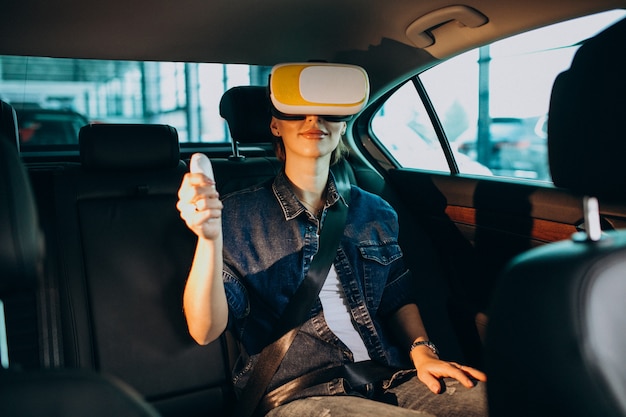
(54, 97)
(403, 125)
(491, 102)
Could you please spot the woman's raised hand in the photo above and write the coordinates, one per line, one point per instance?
(198, 200)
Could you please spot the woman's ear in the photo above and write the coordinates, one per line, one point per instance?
(274, 127)
(343, 129)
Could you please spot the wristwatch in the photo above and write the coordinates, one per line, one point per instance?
(430, 345)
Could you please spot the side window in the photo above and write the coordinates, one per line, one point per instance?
(405, 129)
(491, 102)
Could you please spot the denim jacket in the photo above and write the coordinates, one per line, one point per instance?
(269, 241)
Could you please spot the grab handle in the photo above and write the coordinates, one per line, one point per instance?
(417, 31)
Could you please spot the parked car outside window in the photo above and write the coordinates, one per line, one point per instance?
(517, 147)
(49, 127)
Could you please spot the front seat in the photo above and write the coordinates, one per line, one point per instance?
(26, 393)
(8, 123)
(557, 334)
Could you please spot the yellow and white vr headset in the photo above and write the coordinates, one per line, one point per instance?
(334, 91)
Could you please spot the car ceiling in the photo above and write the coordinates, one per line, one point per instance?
(371, 33)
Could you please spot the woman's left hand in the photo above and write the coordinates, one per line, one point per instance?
(431, 369)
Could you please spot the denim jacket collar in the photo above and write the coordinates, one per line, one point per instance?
(291, 206)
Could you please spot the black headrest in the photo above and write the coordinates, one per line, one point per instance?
(70, 393)
(247, 111)
(128, 147)
(586, 128)
(21, 242)
(8, 124)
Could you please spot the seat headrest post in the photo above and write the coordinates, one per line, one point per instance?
(592, 219)
(236, 156)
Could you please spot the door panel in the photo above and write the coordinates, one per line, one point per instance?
(499, 214)
(499, 219)
(477, 226)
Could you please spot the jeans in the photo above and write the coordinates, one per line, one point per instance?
(411, 398)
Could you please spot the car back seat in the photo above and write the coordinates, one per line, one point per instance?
(121, 257)
(34, 392)
(121, 253)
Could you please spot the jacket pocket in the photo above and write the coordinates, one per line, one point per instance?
(237, 296)
(383, 253)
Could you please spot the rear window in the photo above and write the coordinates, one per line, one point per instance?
(54, 97)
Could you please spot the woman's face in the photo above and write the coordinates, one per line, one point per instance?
(313, 137)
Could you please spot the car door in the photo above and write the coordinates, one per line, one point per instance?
(464, 147)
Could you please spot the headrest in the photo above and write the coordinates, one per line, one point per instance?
(8, 124)
(318, 88)
(129, 147)
(247, 111)
(72, 392)
(586, 129)
(21, 241)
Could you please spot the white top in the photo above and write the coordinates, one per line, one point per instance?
(337, 315)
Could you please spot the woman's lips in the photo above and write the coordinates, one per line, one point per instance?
(314, 133)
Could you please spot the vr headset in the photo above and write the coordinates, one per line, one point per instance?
(335, 92)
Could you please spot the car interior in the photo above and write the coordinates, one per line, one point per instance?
(518, 269)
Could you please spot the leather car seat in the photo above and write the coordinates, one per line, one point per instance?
(37, 392)
(21, 255)
(68, 393)
(557, 333)
(8, 123)
(122, 256)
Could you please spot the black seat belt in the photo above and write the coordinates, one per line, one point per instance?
(301, 302)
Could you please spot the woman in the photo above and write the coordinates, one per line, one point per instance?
(246, 268)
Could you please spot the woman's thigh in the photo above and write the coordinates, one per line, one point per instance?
(454, 401)
(409, 399)
(342, 405)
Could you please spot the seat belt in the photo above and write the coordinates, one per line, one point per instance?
(301, 302)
